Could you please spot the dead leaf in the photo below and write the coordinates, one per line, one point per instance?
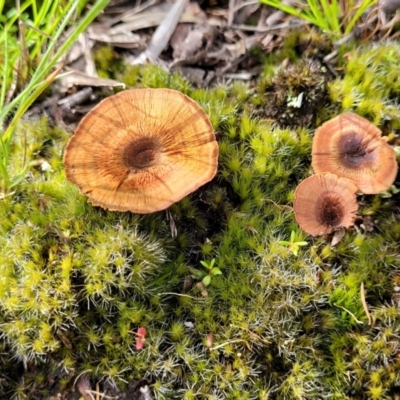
(189, 42)
(121, 38)
(84, 387)
(231, 52)
(154, 16)
(77, 78)
(79, 48)
(337, 236)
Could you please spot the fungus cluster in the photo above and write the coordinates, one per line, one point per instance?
(350, 146)
(142, 150)
(325, 202)
(349, 155)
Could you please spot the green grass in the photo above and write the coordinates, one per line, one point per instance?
(32, 51)
(336, 17)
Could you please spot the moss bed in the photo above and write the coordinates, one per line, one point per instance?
(76, 281)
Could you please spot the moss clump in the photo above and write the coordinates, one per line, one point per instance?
(107, 61)
(295, 94)
(76, 282)
(54, 245)
(371, 84)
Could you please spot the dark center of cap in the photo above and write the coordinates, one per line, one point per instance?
(330, 211)
(354, 150)
(141, 153)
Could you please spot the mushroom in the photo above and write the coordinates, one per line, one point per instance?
(352, 147)
(142, 150)
(324, 203)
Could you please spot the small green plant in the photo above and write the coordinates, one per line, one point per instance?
(292, 245)
(26, 30)
(212, 271)
(336, 17)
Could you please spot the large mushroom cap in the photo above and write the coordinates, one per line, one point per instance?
(142, 150)
(352, 147)
(325, 202)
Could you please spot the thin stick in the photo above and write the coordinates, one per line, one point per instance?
(162, 34)
(251, 333)
(280, 206)
(364, 303)
(184, 295)
(231, 341)
(345, 309)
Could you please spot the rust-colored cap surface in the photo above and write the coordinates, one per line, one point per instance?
(352, 147)
(142, 150)
(325, 202)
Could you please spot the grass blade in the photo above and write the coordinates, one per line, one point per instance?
(46, 63)
(45, 73)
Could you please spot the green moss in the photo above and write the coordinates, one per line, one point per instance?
(107, 61)
(295, 94)
(76, 282)
(371, 84)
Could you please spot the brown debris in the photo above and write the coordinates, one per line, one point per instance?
(389, 6)
(77, 78)
(337, 236)
(352, 147)
(162, 34)
(190, 42)
(84, 387)
(324, 203)
(120, 38)
(142, 150)
(206, 45)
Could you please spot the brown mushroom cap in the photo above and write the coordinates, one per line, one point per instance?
(142, 150)
(325, 202)
(350, 146)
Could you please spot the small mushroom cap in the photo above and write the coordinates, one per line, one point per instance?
(352, 147)
(325, 202)
(142, 150)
